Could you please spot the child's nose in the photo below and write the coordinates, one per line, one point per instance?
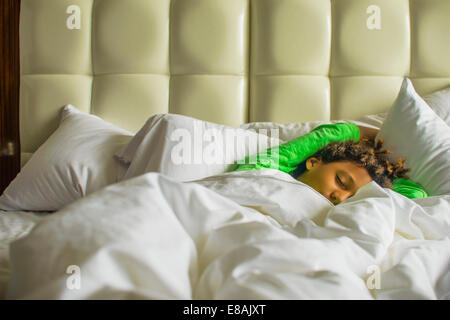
(339, 195)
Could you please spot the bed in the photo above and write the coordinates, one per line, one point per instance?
(101, 212)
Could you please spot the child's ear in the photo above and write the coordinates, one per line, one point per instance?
(312, 162)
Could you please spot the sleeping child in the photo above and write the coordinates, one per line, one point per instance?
(336, 160)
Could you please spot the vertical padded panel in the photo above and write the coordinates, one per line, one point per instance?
(353, 97)
(47, 45)
(358, 50)
(290, 36)
(430, 23)
(130, 36)
(209, 36)
(127, 100)
(289, 98)
(221, 99)
(41, 99)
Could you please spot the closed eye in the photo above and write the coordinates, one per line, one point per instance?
(339, 181)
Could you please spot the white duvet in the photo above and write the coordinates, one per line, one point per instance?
(239, 235)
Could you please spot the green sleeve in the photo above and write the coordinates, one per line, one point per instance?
(408, 188)
(287, 156)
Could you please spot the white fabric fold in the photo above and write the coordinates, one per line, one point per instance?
(235, 236)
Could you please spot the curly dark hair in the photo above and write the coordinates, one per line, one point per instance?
(365, 154)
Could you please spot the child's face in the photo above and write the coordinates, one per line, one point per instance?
(336, 181)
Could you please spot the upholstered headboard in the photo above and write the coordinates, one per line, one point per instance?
(225, 61)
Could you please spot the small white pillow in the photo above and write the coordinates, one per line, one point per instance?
(373, 120)
(439, 101)
(77, 159)
(289, 131)
(185, 148)
(412, 130)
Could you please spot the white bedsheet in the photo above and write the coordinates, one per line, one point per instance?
(13, 225)
(240, 235)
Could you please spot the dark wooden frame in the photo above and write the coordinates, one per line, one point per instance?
(9, 91)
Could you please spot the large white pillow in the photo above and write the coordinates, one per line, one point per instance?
(412, 130)
(77, 159)
(185, 148)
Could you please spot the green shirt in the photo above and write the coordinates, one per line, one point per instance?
(287, 156)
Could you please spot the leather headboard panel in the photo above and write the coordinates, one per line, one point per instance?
(225, 61)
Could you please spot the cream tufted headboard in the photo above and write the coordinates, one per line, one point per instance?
(226, 61)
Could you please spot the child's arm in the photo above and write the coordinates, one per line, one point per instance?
(408, 188)
(287, 156)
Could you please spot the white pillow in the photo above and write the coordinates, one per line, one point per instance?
(412, 130)
(77, 159)
(185, 148)
(439, 101)
(289, 131)
(373, 120)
